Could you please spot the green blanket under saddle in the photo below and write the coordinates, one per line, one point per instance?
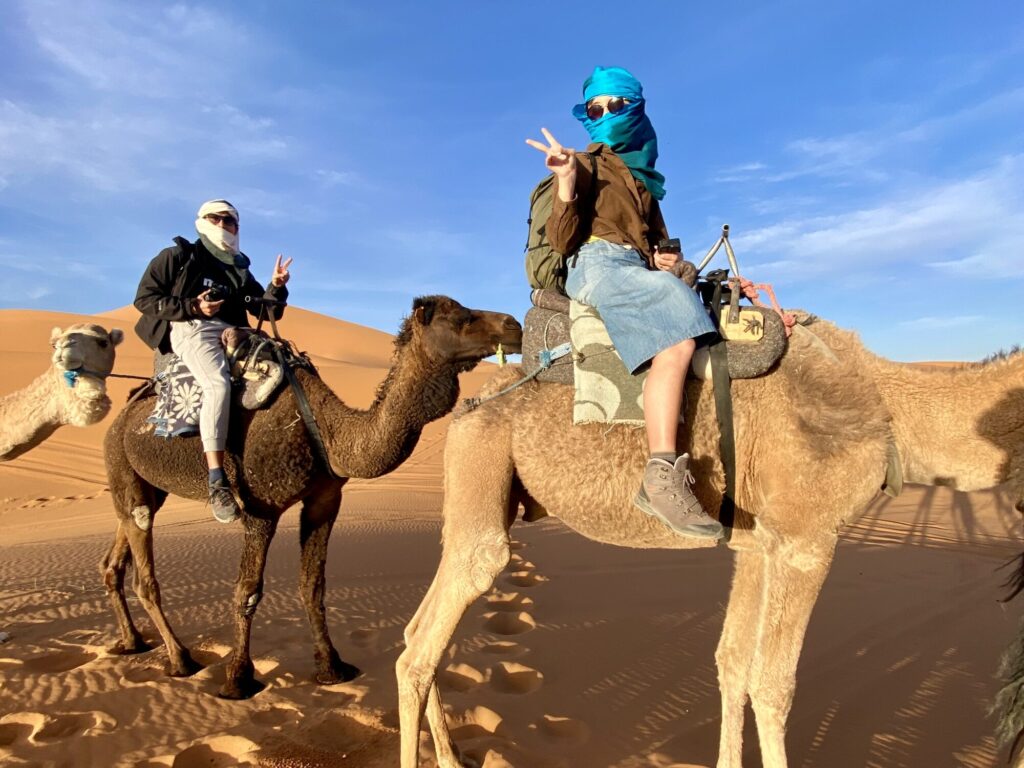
(606, 393)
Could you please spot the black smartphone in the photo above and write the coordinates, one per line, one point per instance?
(670, 245)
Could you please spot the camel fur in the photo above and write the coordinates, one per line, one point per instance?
(272, 465)
(31, 414)
(813, 441)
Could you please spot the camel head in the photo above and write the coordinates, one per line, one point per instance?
(87, 349)
(450, 333)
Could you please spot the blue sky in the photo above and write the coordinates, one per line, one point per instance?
(869, 156)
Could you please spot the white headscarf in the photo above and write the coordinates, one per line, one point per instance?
(222, 238)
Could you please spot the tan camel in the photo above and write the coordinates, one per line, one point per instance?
(30, 415)
(273, 465)
(813, 438)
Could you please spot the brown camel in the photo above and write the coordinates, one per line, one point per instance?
(813, 439)
(272, 465)
(33, 413)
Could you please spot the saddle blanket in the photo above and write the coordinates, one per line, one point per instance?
(255, 376)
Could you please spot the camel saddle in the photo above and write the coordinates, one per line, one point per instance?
(755, 337)
(255, 376)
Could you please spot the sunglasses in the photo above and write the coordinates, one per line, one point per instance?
(227, 219)
(615, 105)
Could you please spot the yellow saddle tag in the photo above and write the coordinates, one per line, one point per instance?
(749, 327)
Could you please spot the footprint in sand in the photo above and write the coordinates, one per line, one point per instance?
(503, 648)
(475, 723)
(15, 731)
(508, 623)
(525, 579)
(460, 677)
(276, 717)
(218, 752)
(510, 677)
(520, 564)
(58, 661)
(142, 674)
(66, 726)
(562, 730)
(508, 601)
(364, 638)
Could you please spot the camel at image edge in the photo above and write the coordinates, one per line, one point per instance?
(272, 464)
(814, 438)
(31, 414)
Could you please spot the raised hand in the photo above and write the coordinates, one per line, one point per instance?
(281, 273)
(560, 160)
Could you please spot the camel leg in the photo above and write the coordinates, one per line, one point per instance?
(112, 570)
(478, 480)
(318, 515)
(462, 577)
(240, 677)
(133, 499)
(180, 662)
(795, 573)
(735, 652)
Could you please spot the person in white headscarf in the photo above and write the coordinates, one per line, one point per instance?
(189, 294)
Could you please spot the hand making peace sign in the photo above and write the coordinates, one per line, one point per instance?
(560, 160)
(281, 273)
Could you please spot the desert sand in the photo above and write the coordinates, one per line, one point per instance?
(584, 655)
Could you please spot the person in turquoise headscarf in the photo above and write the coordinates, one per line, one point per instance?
(607, 220)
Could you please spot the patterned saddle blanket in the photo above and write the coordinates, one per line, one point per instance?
(255, 376)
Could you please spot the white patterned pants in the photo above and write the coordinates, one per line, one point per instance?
(198, 344)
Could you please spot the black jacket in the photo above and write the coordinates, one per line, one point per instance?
(179, 274)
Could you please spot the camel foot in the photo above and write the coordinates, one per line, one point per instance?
(242, 688)
(186, 666)
(137, 645)
(338, 672)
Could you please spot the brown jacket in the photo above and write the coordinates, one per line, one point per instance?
(623, 211)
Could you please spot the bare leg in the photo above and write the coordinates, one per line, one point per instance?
(318, 515)
(795, 574)
(736, 652)
(215, 459)
(663, 395)
(240, 678)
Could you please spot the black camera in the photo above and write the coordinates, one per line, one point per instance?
(216, 293)
(670, 245)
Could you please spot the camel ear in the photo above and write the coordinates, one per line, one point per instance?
(55, 334)
(423, 310)
(116, 336)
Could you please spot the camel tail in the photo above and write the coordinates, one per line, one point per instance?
(1008, 707)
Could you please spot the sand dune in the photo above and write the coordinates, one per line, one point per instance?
(583, 655)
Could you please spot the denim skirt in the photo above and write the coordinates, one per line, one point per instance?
(644, 310)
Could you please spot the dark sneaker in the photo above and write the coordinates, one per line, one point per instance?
(222, 501)
(667, 495)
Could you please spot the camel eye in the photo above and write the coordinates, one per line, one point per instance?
(103, 343)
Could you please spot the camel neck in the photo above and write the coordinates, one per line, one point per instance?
(372, 442)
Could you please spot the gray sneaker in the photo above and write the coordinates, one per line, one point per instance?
(222, 501)
(666, 494)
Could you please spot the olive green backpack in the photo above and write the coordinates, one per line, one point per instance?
(545, 267)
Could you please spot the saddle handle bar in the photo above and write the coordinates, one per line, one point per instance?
(265, 302)
(722, 240)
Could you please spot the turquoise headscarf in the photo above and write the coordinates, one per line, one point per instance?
(628, 133)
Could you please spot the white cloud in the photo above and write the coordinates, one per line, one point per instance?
(977, 216)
